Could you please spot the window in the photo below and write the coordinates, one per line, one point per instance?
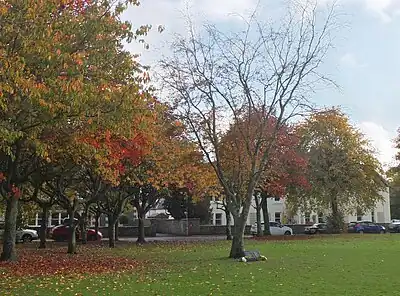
(63, 216)
(359, 215)
(273, 224)
(218, 219)
(307, 218)
(277, 199)
(278, 217)
(91, 221)
(55, 219)
(320, 218)
(373, 216)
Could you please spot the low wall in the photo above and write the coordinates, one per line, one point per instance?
(177, 227)
(150, 230)
(130, 231)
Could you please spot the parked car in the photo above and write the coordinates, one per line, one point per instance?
(394, 226)
(365, 227)
(275, 228)
(61, 233)
(317, 228)
(23, 235)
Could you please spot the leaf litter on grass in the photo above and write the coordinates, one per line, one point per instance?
(50, 262)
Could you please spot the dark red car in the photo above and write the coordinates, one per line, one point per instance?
(61, 233)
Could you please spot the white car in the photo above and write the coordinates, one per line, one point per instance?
(275, 228)
(22, 235)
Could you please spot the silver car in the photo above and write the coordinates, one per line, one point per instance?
(275, 227)
(23, 235)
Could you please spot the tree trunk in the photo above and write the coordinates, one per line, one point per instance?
(111, 231)
(264, 206)
(83, 229)
(10, 230)
(258, 216)
(72, 232)
(237, 248)
(43, 227)
(336, 217)
(116, 230)
(141, 237)
(228, 224)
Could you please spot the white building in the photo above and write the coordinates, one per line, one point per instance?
(57, 216)
(276, 210)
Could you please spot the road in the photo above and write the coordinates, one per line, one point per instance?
(168, 238)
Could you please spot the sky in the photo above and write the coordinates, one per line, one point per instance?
(365, 62)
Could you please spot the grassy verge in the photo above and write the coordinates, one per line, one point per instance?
(348, 265)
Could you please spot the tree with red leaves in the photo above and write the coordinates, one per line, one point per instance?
(172, 162)
(286, 168)
(65, 75)
(285, 165)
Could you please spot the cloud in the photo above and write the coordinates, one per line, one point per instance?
(351, 61)
(382, 140)
(171, 14)
(386, 10)
(223, 9)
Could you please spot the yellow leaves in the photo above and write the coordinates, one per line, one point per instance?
(76, 85)
(3, 9)
(71, 194)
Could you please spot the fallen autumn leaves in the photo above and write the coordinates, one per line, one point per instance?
(89, 260)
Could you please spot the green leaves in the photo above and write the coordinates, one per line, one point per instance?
(342, 165)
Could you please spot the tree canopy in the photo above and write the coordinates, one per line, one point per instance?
(343, 171)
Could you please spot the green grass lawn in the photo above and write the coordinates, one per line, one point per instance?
(347, 265)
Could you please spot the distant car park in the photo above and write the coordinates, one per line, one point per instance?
(317, 228)
(365, 227)
(275, 227)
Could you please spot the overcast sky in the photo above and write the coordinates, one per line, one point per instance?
(365, 62)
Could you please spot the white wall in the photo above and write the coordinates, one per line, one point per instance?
(274, 207)
(381, 213)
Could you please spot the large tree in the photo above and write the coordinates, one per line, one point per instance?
(394, 179)
(172, 162)
(221, 77)
(344, 174)
(393, 175)
(285, 167)
(63, 67)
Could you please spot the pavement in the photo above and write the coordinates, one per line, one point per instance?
(169, 238)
